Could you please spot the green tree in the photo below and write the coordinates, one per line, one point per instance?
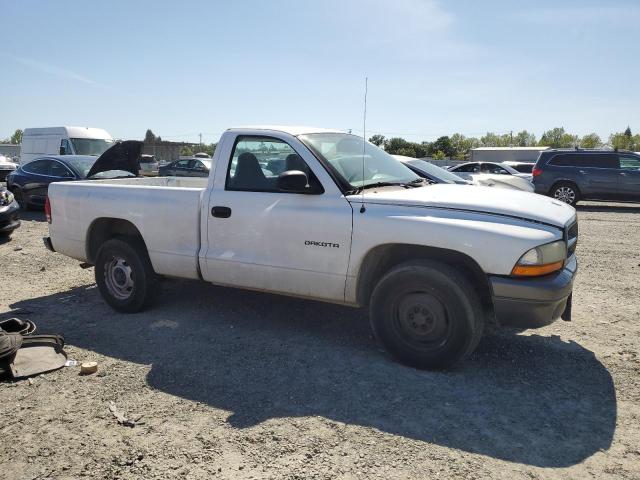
(378, 140)
(491, 139)
(558, 138)
(395, 144)
(186, 151)
(442, 144)
(149, 137)
(461, 145)
(627, 132)
(407, 152)
(591, 140)
(621, 141)
(439, 155)
(524, 139)
(16, 138)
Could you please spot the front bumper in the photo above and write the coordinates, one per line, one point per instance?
(9, 218)
(534, 302)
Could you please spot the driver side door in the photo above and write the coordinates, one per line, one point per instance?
(265, 239)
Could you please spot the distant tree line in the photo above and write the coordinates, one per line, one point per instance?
(188, 149)
(458, 146)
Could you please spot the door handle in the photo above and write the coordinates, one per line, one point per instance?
(624, 174)
(221, 212)
(582, 171)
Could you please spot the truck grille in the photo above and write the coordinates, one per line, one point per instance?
(572, 238)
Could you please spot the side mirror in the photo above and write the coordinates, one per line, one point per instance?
(63, 150)
(293, 181)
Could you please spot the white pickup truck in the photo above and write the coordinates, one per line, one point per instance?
(321, 214)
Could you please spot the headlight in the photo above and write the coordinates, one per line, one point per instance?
(6, 198)
(541, 260)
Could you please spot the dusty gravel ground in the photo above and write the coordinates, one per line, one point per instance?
(236, 384)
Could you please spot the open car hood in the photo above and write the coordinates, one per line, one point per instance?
(123, 156)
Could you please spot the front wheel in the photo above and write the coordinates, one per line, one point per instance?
(426, 314)
(124, 275)
(566, 192)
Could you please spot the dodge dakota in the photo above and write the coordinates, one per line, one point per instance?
(322, 214)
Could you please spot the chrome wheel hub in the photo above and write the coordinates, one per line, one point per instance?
(565, 194)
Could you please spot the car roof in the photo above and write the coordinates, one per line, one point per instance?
(290, 129)
(63, 158)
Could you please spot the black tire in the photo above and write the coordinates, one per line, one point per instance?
(124, 275)
(426, 314)
(566, 192)
(21, 199)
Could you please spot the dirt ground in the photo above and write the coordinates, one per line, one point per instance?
(235, 384)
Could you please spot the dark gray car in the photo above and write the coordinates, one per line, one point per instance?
(573, 175)
(186, 167)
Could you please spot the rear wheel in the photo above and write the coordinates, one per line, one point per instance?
(124, 275)
(566, 192)
(427, 315)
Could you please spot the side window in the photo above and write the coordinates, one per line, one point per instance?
(607, 160)
(65, 147)
(494, 169)
(182, 164)
(39, 167)
(565, 160)
(629, 162)
(59, 170)
(256, 163)
(469, 168)
(198, 166)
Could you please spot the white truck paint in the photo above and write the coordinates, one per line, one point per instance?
(323, 246)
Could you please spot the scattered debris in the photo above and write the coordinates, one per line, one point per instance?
(87, 368)
(122, 420)
(17, 249)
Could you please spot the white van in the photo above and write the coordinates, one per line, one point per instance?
(37, 142)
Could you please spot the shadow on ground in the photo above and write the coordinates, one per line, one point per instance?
(608, 207)
(530, 399)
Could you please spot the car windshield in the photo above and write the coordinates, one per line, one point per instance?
(90, 146)
(437, 172)
(344, 152)
(80, 165)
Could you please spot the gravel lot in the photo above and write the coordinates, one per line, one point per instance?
(235, 384)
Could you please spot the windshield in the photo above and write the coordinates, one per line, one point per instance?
(90, 146)
(437, 172)
(344, 153)
(80, 165)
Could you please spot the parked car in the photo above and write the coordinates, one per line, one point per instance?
(29, 183)
(345, 223)
(522, 167)
(431, 172)
(149, 166)
(574, 175)
(9, 218)
(494, 175)
(186, 167)
(6, 167)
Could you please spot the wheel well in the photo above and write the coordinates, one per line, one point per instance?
(102, 229)
(560, 182)
(381, 259)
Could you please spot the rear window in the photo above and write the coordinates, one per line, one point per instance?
(604, 160)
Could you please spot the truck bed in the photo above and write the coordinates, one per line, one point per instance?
(165, 210)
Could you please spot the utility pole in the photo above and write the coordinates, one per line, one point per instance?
(511, 143)
(200, 140)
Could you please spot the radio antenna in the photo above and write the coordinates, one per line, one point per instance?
(364, 140)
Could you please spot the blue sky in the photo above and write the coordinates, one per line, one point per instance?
(434, 67)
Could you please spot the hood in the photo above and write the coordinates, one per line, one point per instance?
(496, 201)
(123, 156)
